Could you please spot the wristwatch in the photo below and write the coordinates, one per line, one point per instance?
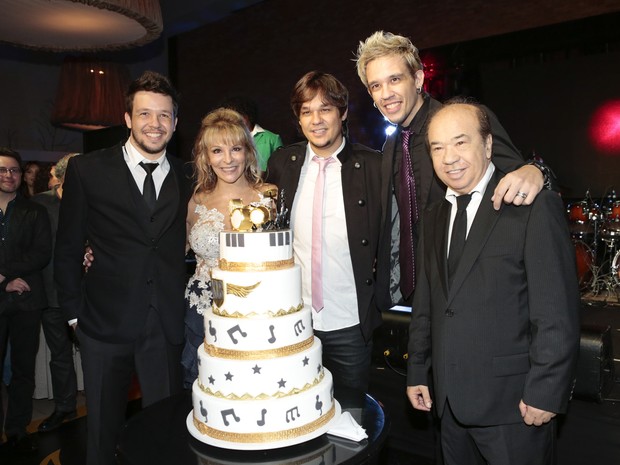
(549, 178)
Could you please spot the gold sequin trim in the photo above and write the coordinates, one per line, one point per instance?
(276, 395)
(282, 312)
(266, 437)
(249, 266)
(258, 354)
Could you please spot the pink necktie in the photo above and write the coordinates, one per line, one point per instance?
(317, 234)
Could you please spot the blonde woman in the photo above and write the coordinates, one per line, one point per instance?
(225, 168)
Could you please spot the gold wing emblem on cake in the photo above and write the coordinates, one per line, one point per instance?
(240, 291)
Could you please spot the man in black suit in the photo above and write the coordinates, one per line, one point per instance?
(390, 68)
(498, 327)
(25, 249)
(129, 203)
(345, 314)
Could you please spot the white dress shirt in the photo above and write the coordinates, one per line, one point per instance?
(474, 203)
(339, 295)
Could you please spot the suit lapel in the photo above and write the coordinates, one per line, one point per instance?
(440, 236)
(481, 228)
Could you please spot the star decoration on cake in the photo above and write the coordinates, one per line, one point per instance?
(306, 361)
(282, 383)
(256, 369)
(211, 380)
(229, 376)
(318, 368)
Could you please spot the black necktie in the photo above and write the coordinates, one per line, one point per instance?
(408, 208)
(459, 233)
(148, 190)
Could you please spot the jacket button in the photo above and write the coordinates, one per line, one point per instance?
(293, 157)
(361, 202)
(357, 165)
(369, 282)
(449, 313)
(152, 219)
(149, 282)
(364, 241)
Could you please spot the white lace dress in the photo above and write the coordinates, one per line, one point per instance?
(204, 241)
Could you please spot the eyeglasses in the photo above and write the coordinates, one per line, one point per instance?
(12, 171)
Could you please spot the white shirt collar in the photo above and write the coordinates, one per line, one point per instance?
(134, 157)
(478, 190)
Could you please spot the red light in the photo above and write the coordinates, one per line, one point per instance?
(605, 128)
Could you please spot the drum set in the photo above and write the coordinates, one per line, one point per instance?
(595, 230)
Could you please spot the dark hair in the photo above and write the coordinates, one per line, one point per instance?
(244, 106)
(150, 81)
(7, 152)
(315, 82)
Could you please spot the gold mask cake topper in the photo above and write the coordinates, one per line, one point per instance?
(252, 217)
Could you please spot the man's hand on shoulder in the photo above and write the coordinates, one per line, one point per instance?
(519, 187)
(534, 416)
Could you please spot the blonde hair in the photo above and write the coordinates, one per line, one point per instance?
(381, 44)
(222, 126)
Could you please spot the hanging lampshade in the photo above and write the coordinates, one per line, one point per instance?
(80, 25)
(91, 94)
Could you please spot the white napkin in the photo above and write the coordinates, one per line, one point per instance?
(346, 427)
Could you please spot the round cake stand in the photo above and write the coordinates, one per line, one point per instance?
(261, 445)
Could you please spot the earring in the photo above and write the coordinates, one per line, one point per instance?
(419, 90)
(374, 104)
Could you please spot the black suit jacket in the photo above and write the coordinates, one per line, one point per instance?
(360, 185)
(507, 329)
(429, 188)
(25, 251)
(139, 256)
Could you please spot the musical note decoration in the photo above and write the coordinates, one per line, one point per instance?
(229, 412)
(261, 422)
(290, 414)
(319, 405)
(272, 339)
(233, 330)
(203, 412)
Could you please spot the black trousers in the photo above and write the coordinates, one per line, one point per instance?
(108, 369)
(64, 381)
(21, 329)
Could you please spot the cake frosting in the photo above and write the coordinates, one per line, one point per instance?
(261, 381)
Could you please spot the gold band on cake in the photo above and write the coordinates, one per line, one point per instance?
(265, 437)
(258, 354)
(282, 312)
(262, 266)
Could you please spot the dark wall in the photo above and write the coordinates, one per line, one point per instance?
(262, 51)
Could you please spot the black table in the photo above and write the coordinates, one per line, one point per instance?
(158, 435)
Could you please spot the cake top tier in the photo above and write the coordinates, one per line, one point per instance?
(256, 251)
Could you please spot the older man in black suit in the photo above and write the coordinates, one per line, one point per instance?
(129, 203)
(495, 311)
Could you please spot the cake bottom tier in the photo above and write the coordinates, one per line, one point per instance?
(264, 423)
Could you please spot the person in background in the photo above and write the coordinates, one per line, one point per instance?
(25, 249)
(130, 203)
(331, 187)
(55, 328)
(225, 168)
(494, 329)
(266, 141)
(31, 168)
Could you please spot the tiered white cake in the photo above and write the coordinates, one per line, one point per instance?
(261, 381)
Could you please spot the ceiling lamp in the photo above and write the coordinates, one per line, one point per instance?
(91, 94)
(80, 25)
